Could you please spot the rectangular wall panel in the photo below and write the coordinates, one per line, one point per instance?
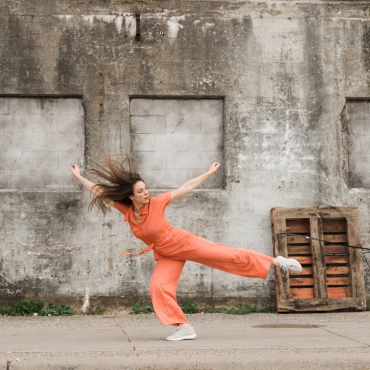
(39, 140)
(175, 140)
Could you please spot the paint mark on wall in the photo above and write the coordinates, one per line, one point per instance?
(174, 26)
(88, 18)
(130, 23)
(118, 19)
(66, 17)
(106, 18)
(207, 26)
(130, 26)
(87, 299)
(119, 22)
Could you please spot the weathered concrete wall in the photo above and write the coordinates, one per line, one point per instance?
(357, 116)
(39, 139)
(283, 70)
(174, 140)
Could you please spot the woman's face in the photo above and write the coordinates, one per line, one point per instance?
(141, 193)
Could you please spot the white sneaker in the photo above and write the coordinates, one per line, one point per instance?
(290, 264)
(181, 333)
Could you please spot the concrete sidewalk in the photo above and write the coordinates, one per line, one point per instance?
(255, 341)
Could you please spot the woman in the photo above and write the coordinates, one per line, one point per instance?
(127, 192)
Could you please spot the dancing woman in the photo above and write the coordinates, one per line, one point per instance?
(127, 192)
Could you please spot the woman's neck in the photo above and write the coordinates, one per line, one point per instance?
(137, 207)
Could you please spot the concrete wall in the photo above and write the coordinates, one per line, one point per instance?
(358, 117)
(175, 140)
(39, 139)
(284, 71)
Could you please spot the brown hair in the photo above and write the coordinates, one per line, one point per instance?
(121, 176)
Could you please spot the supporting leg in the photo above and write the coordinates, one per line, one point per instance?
(162, 290)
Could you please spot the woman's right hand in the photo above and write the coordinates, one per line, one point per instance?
(75, 170)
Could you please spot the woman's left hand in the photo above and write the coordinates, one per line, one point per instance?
(214, 167)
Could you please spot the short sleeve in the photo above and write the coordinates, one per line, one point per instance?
(163, 199)
(121, 207)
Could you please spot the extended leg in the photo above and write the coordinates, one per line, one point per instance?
(162, 290)
(238, 261)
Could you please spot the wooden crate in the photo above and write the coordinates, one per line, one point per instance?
(327, 282)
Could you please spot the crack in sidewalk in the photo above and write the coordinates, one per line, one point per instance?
(339, 335)
(128, 338)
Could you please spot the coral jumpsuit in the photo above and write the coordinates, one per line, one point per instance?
(173, 247)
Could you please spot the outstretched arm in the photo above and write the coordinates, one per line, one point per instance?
(193, 183)
(93, 188)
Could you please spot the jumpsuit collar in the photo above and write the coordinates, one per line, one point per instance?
(130, 211)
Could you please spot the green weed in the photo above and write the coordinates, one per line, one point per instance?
(149, 306)
(245, 310)
(50, 310)
(137, 310)
(98, 310)
(189, 307)
(22, 308)
(214, 309)
(28, 308)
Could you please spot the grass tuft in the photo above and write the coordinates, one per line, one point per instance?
(149, 306)
(214, 309)
(188, 307)
(245, 310)
(137, 310)
(98, 310)
(28, 308)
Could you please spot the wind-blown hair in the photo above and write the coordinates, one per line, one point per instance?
(121, 177)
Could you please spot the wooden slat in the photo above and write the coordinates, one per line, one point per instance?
(297, 240)
(318, 253)
(332, 238)
(328, 304)
(307, 212)
(301, 281)
(328, 259)
(336, 259)
(335, 238)
(304, 260)
(355, 257)
(302, 293)
(299, 249)
(330, 225)
(337, 270)
(278, 278)
(336, 248)
(345, 280)
(281, 250)
(340, 292)
(306, 270)
(298, 226)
